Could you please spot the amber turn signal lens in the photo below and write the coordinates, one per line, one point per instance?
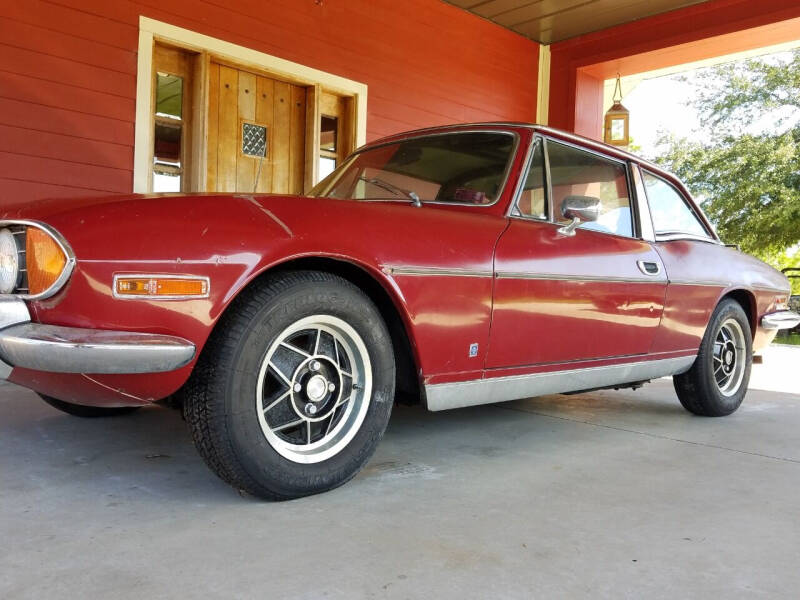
(45, 260)
(161, 287)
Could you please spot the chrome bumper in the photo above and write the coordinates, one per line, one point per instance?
(783, 319)
(75, 350)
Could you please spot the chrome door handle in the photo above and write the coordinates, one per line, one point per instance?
(649, 267)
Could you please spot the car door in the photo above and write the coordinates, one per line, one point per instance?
(597, 294)
(699, 269)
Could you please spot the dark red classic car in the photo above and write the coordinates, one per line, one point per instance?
(453, 266)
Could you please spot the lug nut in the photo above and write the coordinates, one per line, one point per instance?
(315, 366)
(297, 387)
(311, 409)
(331, 387)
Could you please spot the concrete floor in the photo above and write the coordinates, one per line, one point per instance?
(609, 494)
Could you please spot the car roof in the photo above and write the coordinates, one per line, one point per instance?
(544, 129)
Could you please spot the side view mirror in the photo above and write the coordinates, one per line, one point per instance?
(580, 209)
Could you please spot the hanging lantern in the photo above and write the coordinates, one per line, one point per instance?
(617, 120)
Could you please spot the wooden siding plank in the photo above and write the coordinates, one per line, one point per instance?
(246, 165)
(52, 145)
(297, 137)
(70, 47)
(264, 116)
(57, 172)
(311, 175)
(281, 138)
(56, 120)
(26, 88)
(62, 70)
(228, 134)
(17, 189)
(74, 21)
(213, 127)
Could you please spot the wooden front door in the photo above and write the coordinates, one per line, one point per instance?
(256, 133)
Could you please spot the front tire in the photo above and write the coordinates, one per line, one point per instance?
(295, 387)
(717, 382)
(88, 412)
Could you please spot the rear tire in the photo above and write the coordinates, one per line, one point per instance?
(294, 389)
(717, 382)
(88, 412)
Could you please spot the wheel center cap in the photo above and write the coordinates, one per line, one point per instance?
(729, 357)
(316, 388)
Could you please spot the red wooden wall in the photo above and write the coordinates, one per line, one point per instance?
(713, 28)
(68, 73)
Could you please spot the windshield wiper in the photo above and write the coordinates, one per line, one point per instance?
(393, 188)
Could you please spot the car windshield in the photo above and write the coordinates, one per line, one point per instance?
(461, 168)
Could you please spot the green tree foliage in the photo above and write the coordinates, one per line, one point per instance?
(745, 164)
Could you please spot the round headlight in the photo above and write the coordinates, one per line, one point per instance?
(9, 262)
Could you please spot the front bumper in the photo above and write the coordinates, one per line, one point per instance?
(75, 350)
(782, 319)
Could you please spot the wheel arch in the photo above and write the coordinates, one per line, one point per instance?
(747, 301)
(381, 292)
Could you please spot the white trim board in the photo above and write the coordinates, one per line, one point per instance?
(151, 30)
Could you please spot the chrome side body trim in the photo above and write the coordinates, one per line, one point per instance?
(435, 271)
(74, 350)
(557, 277)
(65, 248)
(782, 319)
(444, 396)
(719, 284)
(118, 276)
(761, 288)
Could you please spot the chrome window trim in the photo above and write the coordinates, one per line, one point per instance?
(551, 211)
(597, 152)
(674, 237)
(514, 205)
(506, 173)
(62, 244)
(600, 154)
(646, 229)
(690, 204)
(599, 147)
(521, 179)
(444, 396)
(118, 276)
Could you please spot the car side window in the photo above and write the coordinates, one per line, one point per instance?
(575, 172)
(532, 200)
(668, 209)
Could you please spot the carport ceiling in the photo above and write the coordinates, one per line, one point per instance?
(548, 21)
